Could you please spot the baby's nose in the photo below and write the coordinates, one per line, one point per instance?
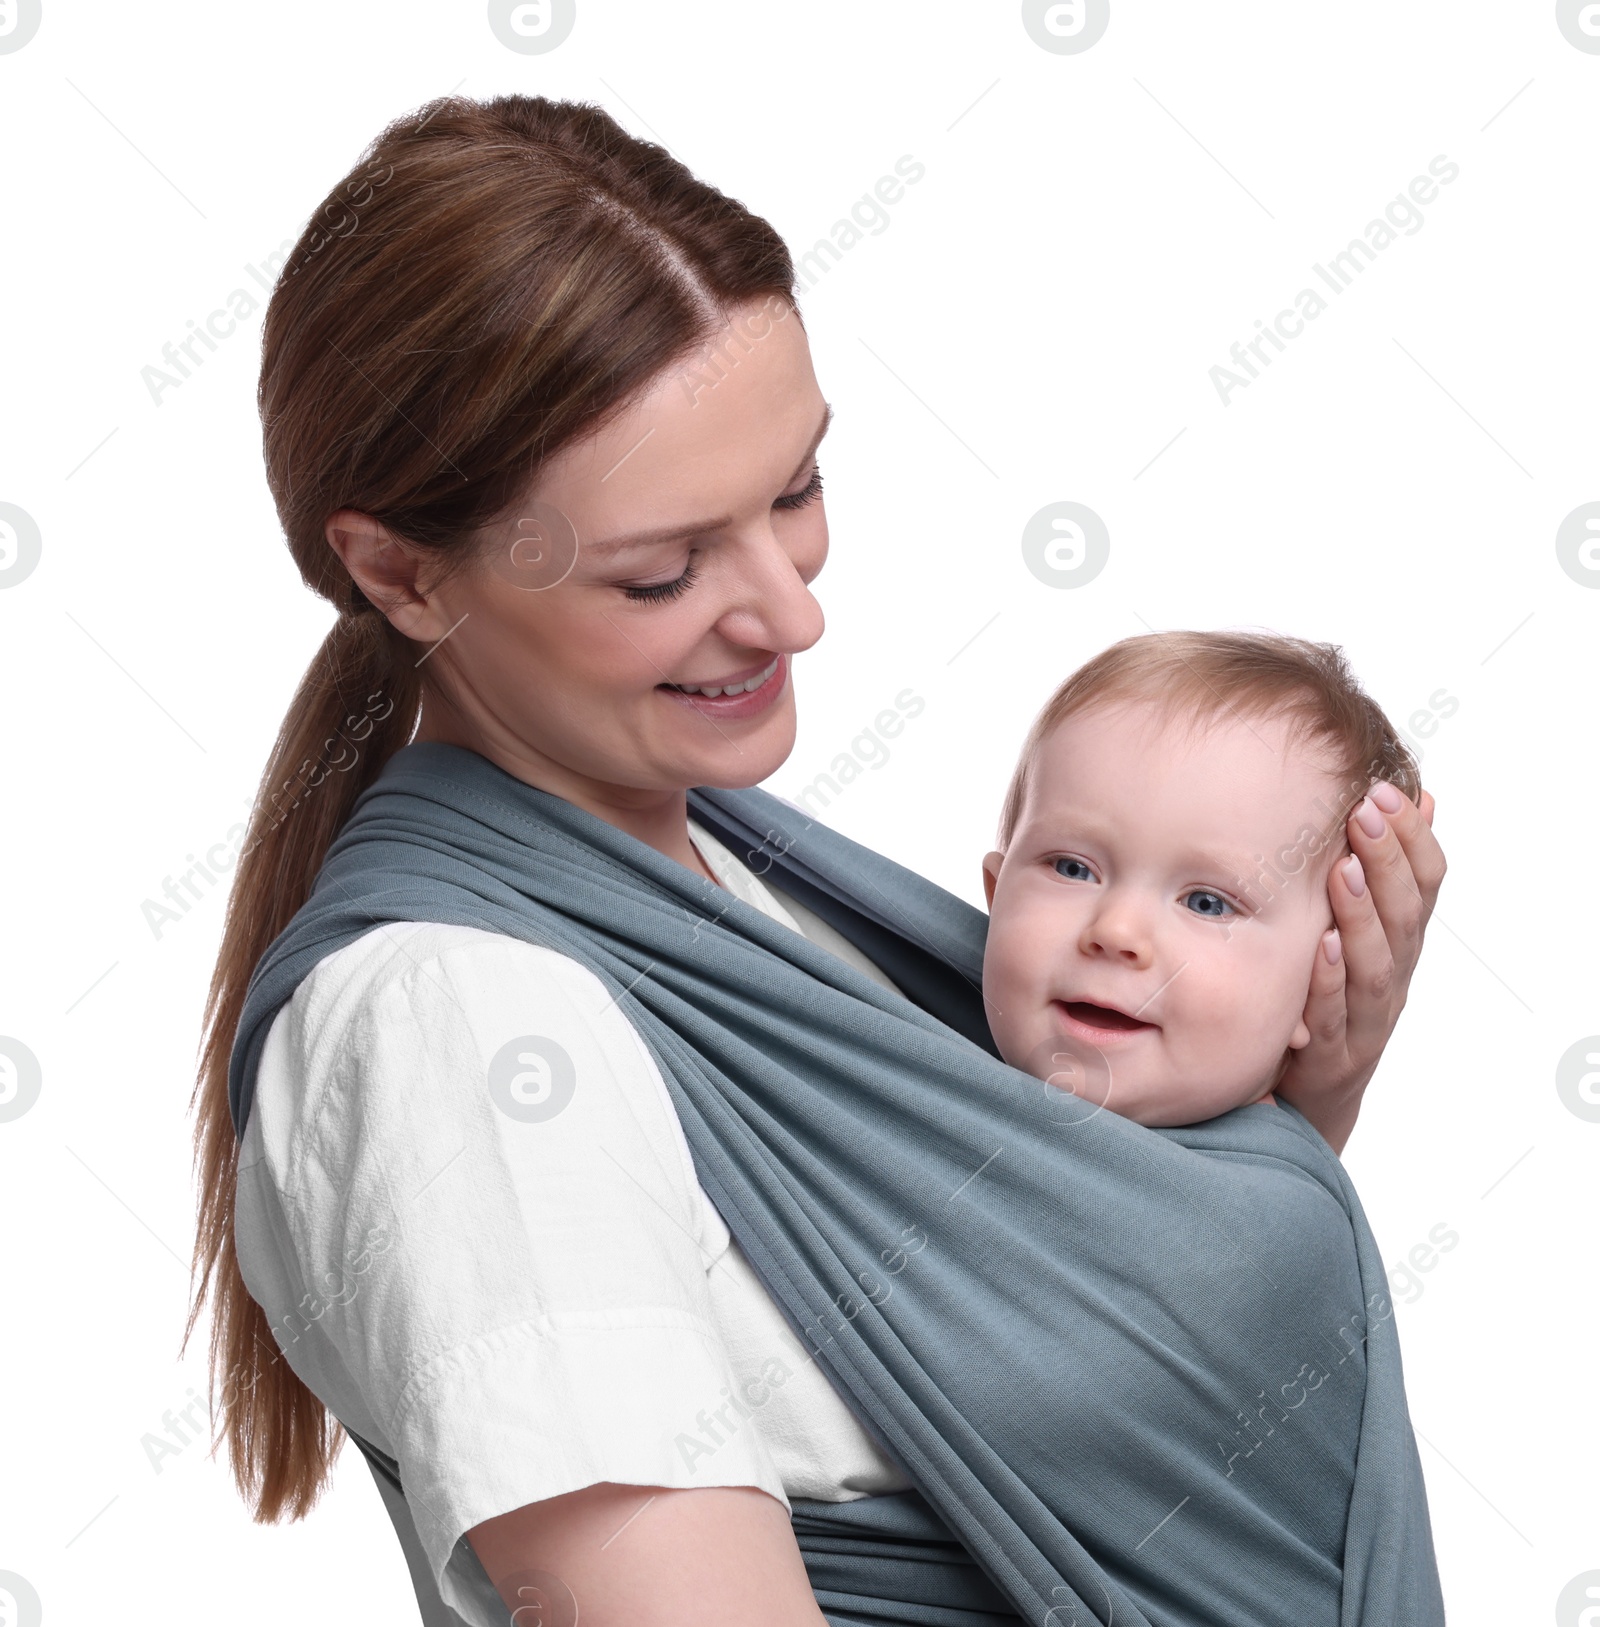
(1121, 931)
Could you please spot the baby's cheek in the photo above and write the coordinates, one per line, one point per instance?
(1237, 1019)
(1286, 991)
(1006, 993)
(1000, 947)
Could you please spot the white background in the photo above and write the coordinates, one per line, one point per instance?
(1036, 323)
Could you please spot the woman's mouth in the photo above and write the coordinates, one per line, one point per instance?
(1098, 1025)
(740, 695)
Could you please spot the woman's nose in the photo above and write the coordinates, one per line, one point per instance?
(771, 606)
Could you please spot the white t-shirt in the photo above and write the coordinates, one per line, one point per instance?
(511, 1309)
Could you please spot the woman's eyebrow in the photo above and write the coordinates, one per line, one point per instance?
(613, 546)
(816, 440)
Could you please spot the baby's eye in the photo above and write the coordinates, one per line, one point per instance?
(1074, 870)
(1212, 905)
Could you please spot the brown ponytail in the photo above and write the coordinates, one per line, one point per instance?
(490, 281)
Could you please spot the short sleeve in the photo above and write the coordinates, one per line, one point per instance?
(468, 1159)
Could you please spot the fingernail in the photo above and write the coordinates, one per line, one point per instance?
(1368, 817)
(1331, 947)
(1355, 877)
(1386, 797)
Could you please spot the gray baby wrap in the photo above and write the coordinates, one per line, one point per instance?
(1142, 1377)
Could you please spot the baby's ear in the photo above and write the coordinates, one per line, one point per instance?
(991, 874)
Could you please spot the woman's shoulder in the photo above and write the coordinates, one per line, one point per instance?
(417, 1030)
(407, 955)
(441, 980)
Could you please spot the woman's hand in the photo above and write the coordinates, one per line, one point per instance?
(1381, 898)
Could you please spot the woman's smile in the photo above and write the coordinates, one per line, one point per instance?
(749, 678)
(736, 697)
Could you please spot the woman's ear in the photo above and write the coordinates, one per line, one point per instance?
(386, 570)
(991, 874)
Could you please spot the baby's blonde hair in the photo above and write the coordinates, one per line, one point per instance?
(1244, 674)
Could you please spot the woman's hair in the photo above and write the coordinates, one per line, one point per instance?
(1200, 676)
(491, 281)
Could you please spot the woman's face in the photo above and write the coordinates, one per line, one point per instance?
(673, 548)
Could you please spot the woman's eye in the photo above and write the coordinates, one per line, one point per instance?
(656, 591)
(1074, 870)
(808, 493)
(1212, 905)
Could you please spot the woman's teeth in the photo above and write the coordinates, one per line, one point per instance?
(730, 689)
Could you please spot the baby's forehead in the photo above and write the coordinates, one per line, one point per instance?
(1253, 778)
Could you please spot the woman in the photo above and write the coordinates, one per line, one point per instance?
(540, 421)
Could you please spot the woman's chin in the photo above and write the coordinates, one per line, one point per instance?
(748, 757)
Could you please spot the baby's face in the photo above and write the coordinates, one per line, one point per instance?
(1180, 882)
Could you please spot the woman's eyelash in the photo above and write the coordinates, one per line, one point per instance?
(807, 493)
(657, 591)
(664, 590)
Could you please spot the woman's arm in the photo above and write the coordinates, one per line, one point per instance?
(1381, 906)
(538, 1316)
(649, 1556)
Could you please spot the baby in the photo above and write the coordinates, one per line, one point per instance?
(1159, 886)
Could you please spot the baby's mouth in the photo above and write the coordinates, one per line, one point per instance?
(1101, 1017)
